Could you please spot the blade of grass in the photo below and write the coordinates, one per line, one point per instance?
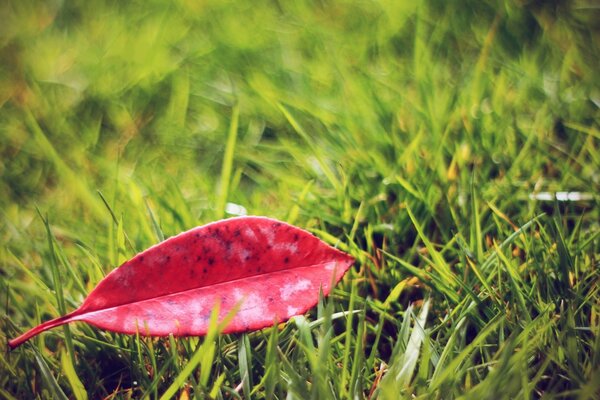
(227, 165)
(404, 367)
(355, 384)
(333, 180)
(343, 384)
(439, 264)
(272, 364)
(69, 371)
(51, 384)
(450, 369)
(245, 364)
(57, 282)
(214, 392)
(476, 236)
(117, 221)
(427, 278)
(491, 259)
(516, 284)
(295, 210)
(160, 236)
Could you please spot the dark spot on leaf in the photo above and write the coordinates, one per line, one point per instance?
(198, 258)
(286, 260)
(204, 270)
(211, 260)
(296, 237)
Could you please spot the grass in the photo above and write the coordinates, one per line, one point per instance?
(418, 136)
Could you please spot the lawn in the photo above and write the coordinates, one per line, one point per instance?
(452, 148)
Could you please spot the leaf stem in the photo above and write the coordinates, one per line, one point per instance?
(14, 343)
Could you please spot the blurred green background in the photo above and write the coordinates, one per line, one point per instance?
(137, 98)
(146, 118)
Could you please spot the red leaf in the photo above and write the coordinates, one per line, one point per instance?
(271, 269)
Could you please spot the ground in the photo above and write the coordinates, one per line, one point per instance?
(452, 148)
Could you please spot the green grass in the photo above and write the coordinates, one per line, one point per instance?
(414, 135)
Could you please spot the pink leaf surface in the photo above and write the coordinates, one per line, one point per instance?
(271, 269)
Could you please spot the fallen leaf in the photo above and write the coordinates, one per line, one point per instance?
(269, 269)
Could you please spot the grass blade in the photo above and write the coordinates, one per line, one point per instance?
(69, 371)
(51, 383)
(227, 165)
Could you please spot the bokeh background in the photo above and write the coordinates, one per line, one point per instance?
(137, 98)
